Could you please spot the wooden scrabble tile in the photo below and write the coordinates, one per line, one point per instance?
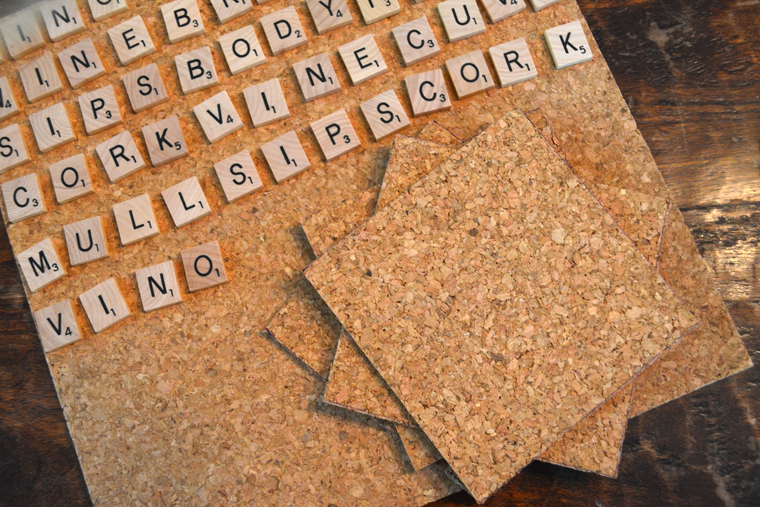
(362, 59)
(81, 63)
(12, 149)
(104, 305)
(385, 114)
(568, 44)
(158, 286)
(317, 77)
(499, 10)
(266, 103)
(470, 74)
(102, 9)
(40, 265)
(8, 104)
(183, 20)
(120, 156)
(57, 326)
(427, 92)
(145, 88)
(283, 30)
(375, 10)
(135, 219)
(416, 41)
(461, 19)
(204, 266)
(329, 15)
(85, 241)
(218, 117)
(196, 70)
(131, 40)
(22, 33)
(186, 202)
(513, 62)
(335, 135)
(285, 156)
(165, 141)
(100, 110)
(241, 49)
(541, 4)
(227, 10)
(51, 127)
(23, 198)
(40, 78)
(71, 179)
(62, 18)
(238, 176)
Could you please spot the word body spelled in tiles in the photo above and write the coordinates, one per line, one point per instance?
(196, 70)
(102, 9)
(100, 109)
(238, 176)
(61, 18)
(22, 34)
(513, 62)
(204, 266)
(470, 74)
(427, 92)
(23, 198)
(183, 20)
(329, 14)
(317, 77)
(131, 40)
(51, 127)
(283, 30)
(335, 135)
(461, 19)
(499, 10)
(568, 44)
(85, 241)
(12, 149)
(266, 103)
(57, 326)
(285, 156)
(104, 305)
(242, 50)
(186, 202)
(40, 265)
(145, 88)
(375, 10)
(218, 117)
(165, 141)
(158, 286)
(71, 179)
(40, 78)
(120, 156)
(135, 219)
(227, 10)
(8, 104)
(81, 63)
(385, 114)
(362, 59)
(416, 41)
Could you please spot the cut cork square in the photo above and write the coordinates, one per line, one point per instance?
(51, 127)
(437, 133)
(183, 20)
(62, 18)
(335, 135)
(329, 15)
(513, 62)
(71, 179)
(196, 70)
(8, 104)
(158, 286)
(283, 30)
(266, 103)
(416, 41)
(427, 92)
(242, 50)
(40, 78)
(204, 266)
(23, 198)
(461, 19)
(376, 10)
(131, 40)
(145, 88)
(363, 59)
(104, 305)
(238, 176)
(418, 447)
(85, 241)
(317, 77)
(218, 117)
(135, 219)
(227, 10)
(165, 141)
(470, 74)
(499, 10)
(15, 154)
(285, 156)
(40, 265)
(120, 156)
(186, 202)
(385, 114)
(568, 45)
(81, 63)
(57, 326)
(103, 9)
(100, 110)
(22, 33)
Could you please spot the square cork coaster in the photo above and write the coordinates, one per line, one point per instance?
(102, 9)
(542, 4)
(375, 10)
(120, 156)
(285, 156)
(135, 219)
(183, 20)
(81, 63)
(385, 114)
(186, 202)
(8, 104)
(499, 10)
(62, 18)
(40, 78)
(470, 74)
(145, 88)
(196, 70)
(51, 127)
(22, 33)
(85, 241)
(227, 10)
(238, 176)
(335, 135)
(104, 305)
(461, 19)
(100, 110)
(363, 59)
(427, 92)
(204, 266)
(165, 141)
(71, 179)
(242, 49)
(568, 45)
(317, 77)
(513, 62)
(283, 30)
(218, 117)
(23, 198)
(131, 40)
(13, 152)
(416, 41)
(158, 286)
(266, 103)
(329, 15)
(57, 326)
(40, 265)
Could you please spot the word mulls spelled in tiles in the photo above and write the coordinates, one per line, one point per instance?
(135, 219)
(85, 241)
(186, 202)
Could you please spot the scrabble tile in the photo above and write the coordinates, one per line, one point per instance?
(158, 286)
(12, 149)
(102, 9)
(227, 10)
(40, 78)
(499, 10)
(204, 266)
(375, 10)
(120, 156)
(135, 219)
(541, 4)
(22, 33)
(81, 63)
(61, 18)
(461, 19)
(317, 77)
(241, 49)
(85, 241)
(329, 15)
(8, 104)
(23, 198)
(165, 141)
(57, 326)
(183, 20)
(266, 103)
(362, 59)
(568, 44)
(100, 110)
(218, 117)
(335, 135)
(196, 70)
(145, 88)
(385, 114)
(238, 176)
(513, 62)
(186, 202)
(469, 73)
(71, 179)
(427, 92)
(104, 305)
(41, 265)
(51, 127)
(131, 40)
(416, 41)
(285, 156)
(283, 30)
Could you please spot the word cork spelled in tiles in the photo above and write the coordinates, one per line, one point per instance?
(57, 326)
(23, 198)
(104, 305)
(186, 202)
(120, 156)
(71, 179)
(165, 141)
(158, 286)
(135, 219)
(204, 266)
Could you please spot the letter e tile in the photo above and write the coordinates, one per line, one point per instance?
(131, 40)
(362, 59)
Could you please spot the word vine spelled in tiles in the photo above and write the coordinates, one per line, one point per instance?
(41, 265)
(335, 135)
(227, 10)
(499, 10)
(23, 198)
(186, 202)
(145, 88)
(158, 286)
(461, 19)
(183, 20)
(317, 77)
(51, 127)
(120, 156)
(12, 148)
(40, 78)
(513, 62)
(266, 103)
(85, 241)
(135, 219)
(363, 59)
(385, 114)
(285, 156)
(469, 74)
(283, 30)
(131, 40)
(62, 18)
(329, 15)
(568, 44)
(22, 34)
(165, 141)
(8, 104)
(81, 63)
(242, 50)
(57, 326)
(238, 176)
(375, 10)
(102, 9)
(416, 41)
(196, 70)
(427, 92)
(100, 109)
(104, 305)
(204, 266)
(218, 117)
(71, 179)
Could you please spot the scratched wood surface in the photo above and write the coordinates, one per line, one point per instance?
(688, 70)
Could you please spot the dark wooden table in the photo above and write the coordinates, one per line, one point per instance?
(690, 71)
